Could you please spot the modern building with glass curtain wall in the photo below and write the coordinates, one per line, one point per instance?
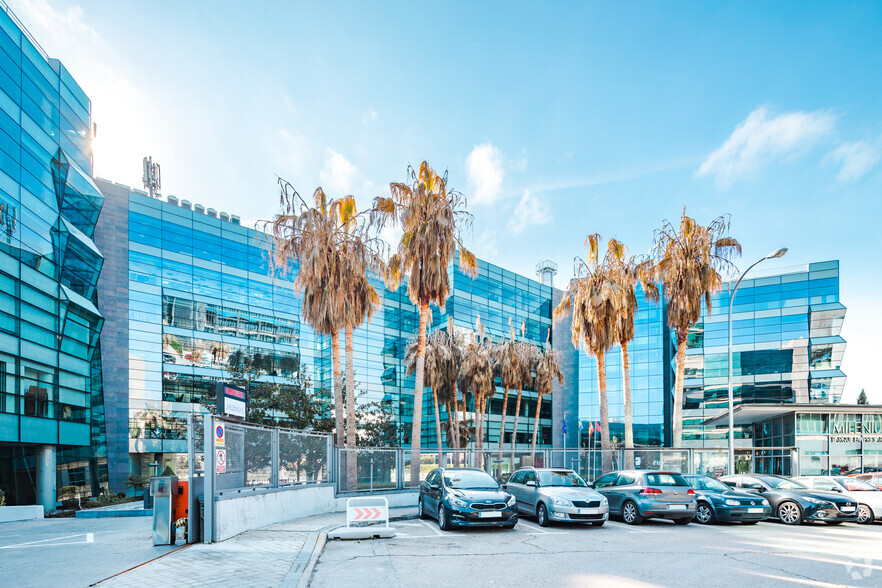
(51, 422)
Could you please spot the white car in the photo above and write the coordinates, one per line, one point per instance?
(868, 497)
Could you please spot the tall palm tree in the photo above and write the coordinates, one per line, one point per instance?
(594, 300)
(527, 358)
(688, 262)
(312, 239)
(627, 273)
(431, 218)
(508, 362)
(478, 377)
(452, 360)
(547, 369)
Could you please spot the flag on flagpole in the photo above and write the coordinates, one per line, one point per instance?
(597, 428)
(564, 425)
(580, 426)
(591, 428)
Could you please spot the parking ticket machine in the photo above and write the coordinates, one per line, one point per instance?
(163, 489)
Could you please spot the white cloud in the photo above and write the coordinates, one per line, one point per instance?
(856, 158)
(338, 174)
(529, 212)
(763, 137)
(484, 168)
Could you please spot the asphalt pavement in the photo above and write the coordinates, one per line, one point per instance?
(658, 553)
(74, 552)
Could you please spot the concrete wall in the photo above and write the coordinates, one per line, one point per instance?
(253, 511)
(20, 513)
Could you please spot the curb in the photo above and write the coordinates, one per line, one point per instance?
(102, 514)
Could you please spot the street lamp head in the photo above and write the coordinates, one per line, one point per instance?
(777, 253)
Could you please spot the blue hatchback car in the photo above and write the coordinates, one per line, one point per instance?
(717, 502)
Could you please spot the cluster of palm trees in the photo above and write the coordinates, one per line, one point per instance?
(459, 364)
(684, 265)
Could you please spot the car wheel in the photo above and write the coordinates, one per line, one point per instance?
(420, 511)
(630, 513)
(683, 521)
(598, 524)
(789, 513)
(865, 514)
(443, 519)
(542, 515)
(704, 514)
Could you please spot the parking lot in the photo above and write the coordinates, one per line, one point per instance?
(657, 553)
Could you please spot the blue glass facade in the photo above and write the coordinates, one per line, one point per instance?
(50, 385)
(786, 348)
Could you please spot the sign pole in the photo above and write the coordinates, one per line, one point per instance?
(208, 461)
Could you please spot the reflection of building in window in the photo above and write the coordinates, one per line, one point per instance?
(389, 375)
(36, 402)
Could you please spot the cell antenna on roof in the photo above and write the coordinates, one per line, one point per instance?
(152, 177)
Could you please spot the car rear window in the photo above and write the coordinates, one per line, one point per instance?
(665, 480)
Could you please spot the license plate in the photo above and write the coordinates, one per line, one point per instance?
(587, 511)
(847, 509)
(754, 510)
(490, 515)
(676, 507)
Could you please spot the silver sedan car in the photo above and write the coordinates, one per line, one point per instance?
(557, 495)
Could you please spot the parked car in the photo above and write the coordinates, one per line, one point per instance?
(557, 495)
(467, 497)
(718, 502)
(793, 503)
(636, 495)
(872, 479)
(868, 497)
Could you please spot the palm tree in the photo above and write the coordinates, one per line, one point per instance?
(477, 376)
(313, 239)
(431, 218)
(595, 300)
(547, 369)
(688, 264)
(527, 357)
(436, 375)
(627, 273)
(508, 362)
(452, 360)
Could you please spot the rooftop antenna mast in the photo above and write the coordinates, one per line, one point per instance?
(152, 177)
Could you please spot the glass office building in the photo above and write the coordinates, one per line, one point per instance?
(51, 424)
(186, 287)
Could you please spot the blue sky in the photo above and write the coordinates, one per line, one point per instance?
(555, 120)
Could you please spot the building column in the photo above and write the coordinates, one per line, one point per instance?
(46, 475)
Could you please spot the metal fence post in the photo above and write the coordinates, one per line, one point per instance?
(274, 479)
(332, 464)
(192, 502)
(208, 482)
(398, 461)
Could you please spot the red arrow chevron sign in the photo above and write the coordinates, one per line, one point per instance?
(366, 514)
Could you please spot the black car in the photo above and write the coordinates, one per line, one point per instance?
(466, 497)
(793, 503)
(717, 502)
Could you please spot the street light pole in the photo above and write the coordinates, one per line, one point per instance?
(773, 255)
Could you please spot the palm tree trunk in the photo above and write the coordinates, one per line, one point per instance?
(514, 432)
(535, 429)
(453, 442)
(677, 425)
(605, 449)
(416, 429)
(438, 428)
(352, 462)
(338, 388)
(502, 425)
(629, 416)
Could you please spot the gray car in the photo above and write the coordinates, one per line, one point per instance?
(557, 495)
(636, 495)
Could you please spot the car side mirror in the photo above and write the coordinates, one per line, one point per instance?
(758, 488)
(589, 484)
(531, 483)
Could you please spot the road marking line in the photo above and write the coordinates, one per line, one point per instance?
(90, 538)
(530, 526)
(432, 528)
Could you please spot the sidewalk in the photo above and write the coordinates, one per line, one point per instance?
(277, 555)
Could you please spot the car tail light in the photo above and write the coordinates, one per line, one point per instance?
(691, 492)
(650, 491)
